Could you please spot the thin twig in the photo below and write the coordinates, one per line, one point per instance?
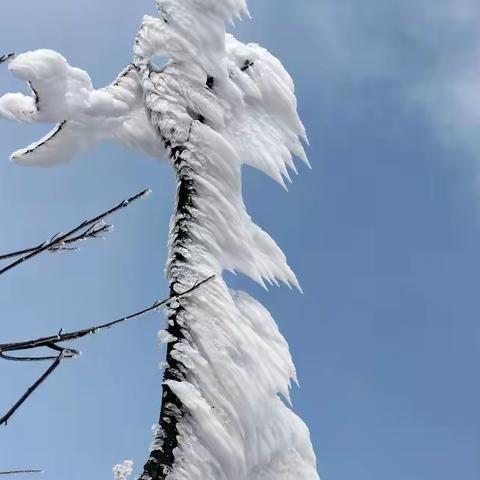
(64, 353)
(87, 229)
(91, 232)
(32, 388)
(69, 353)
(6, 256)
(7, 57)
(51, 341)
(18, 472)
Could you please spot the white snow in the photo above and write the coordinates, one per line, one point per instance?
(236, 364)
(123, 470)
(239, 366)
(64, 95)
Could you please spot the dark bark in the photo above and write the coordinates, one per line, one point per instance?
(161, 460)
(20, 472)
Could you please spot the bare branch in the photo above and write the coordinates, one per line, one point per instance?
(6, 256)
(32, 388)
(69, 353)
(18, 472)
(95, 231)
(51, 341)
(63, 241)
(5, 58)
(65, 353)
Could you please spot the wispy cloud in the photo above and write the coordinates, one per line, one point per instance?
(429, 51)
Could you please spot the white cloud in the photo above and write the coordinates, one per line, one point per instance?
(429, 50)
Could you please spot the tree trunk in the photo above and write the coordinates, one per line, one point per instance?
(186, 266)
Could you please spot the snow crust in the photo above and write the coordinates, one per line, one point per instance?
(217, 105)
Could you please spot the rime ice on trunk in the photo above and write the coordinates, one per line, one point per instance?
(222, 414)
(182, 273)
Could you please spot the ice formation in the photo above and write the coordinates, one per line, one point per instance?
(84, 116)
(216, 105)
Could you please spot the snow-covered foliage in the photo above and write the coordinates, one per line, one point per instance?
(216, 105)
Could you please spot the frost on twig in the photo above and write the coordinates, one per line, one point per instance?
(95, 231)
(88, 229)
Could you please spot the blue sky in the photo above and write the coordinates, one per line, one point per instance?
(383, 233)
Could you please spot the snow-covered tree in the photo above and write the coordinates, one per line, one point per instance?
(217, 104)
